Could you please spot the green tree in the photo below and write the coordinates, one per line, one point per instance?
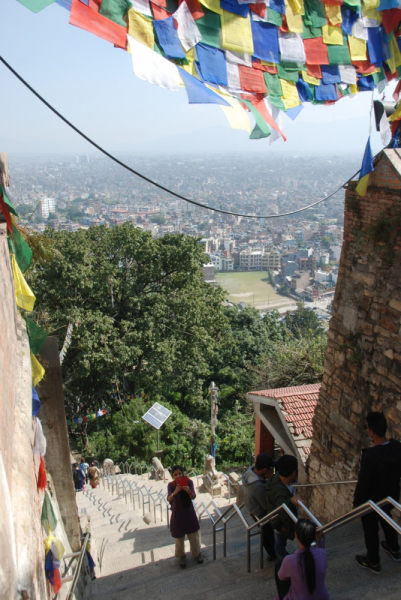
(144, 317)
(303, 322)
(159, 219)
(326, 241)
(24, 209)
(73, 213)
(203, 226)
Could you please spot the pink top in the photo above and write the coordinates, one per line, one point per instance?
(292, 567)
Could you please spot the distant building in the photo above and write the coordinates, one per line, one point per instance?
(47, 206)
(251, 260)
(208, 273)
(299, 235)
(271, 261)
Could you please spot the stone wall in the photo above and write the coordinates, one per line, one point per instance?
(362, 370)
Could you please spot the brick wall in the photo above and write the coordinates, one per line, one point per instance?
(362, 370)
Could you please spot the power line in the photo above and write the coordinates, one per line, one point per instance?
(162, 187)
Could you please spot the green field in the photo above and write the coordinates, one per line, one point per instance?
(251, 287)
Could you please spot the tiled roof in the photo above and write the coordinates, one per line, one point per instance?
(297, 405)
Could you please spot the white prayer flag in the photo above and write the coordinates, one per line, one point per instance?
(152, 67)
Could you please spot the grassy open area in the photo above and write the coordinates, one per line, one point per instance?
(251, 287)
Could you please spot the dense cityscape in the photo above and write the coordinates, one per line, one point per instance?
(300, 250)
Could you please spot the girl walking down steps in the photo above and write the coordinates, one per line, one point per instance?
(184, 522)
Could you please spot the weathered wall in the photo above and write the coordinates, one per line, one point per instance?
(362, 369)
(52, 415)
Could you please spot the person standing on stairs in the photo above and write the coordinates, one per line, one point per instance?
(94, 475)
(379, 477)
(78, 478)
(254, 480)
(184, 522)
(279, 490)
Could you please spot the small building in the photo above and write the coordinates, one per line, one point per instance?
(285, 415)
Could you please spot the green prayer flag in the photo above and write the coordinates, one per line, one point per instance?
(7, 201)
(277, 101)
(257, 133)
(48, 518)
(378, 77)
(315, 14)
(157, 48)
(310, 32)
(37, 336)
(339, 55)
(115, 10)
(274, 17)
(287, 74)
(36, 5)
(172, 5)
(399, 71)
(258, 117)
(209, 26)
(273, 84)
(21, 249)
(354, 4)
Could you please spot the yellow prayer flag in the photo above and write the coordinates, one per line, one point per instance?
(332, 35)
(362, 185)
(333, 14)
(236, 33)
(372, 12)
(236, 115)
(353, 89)
(290, 94)
(396, 114)
(310, 79)
(190, 68)
(357, 48)
(395, 60)
(267, 63)
(38, 371)
(369, 4)
(213, 5)
(23, 293)
(297, 6)
(294, 20)
(140, 28)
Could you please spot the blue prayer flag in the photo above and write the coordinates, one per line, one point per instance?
(35, 402)
(325, 92)
(212, 63)
(265, 41)
(367, 162)
(294, 112)
(378, 46)
(331, 74)
(232, 6)
(304, 91)
(278, 6)
(349, 18)
(366, 84)
(197, 91)
(168, 38)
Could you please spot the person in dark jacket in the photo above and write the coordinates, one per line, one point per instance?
(279, 491)
(254, 481)
(379, 477)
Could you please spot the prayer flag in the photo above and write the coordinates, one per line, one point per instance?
(252, 80)
(23, 293)
(290, 94)
(262, 108)
(38, 371)
(36, 5)
(115, 10)
(37, 336)
(236, 33)
(212, 64)
(291, 47)
(236, 115)
(141, 28)
(35, 402)
(152, 67)
(198, 92)
(367, 167)
(167, 36)
(332, 35)
(209, 26)
(258, 117)
(188, 31)
(85, 18)
(265, 41)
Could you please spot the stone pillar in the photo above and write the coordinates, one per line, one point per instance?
(52, 415)
(362, 370)
(264, 441)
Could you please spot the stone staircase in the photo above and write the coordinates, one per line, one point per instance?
(136, 561)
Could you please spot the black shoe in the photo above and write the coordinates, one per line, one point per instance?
(199, 558)
(183, 562)
(396, 556)
(364, 562)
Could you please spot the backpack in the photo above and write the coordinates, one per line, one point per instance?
(77, 476)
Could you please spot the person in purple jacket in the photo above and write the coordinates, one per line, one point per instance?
(301, 575)
(184, 521)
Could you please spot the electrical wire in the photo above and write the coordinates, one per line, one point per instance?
(151, 181)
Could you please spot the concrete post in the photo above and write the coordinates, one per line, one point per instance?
(52, 415)
(264, 441)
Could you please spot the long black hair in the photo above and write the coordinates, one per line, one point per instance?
(306, 533)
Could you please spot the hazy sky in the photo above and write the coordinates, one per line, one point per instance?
(91, 83)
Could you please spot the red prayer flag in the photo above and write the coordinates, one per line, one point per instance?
(95, 5)
(334, 2)
(6, 212)
(84, 17)
(396, 94)
(390, 19)
(252, 80)
(259, 8)
(315, 71)
(316, 52)
(262, 108)
(195, 8)
(159, 13)
(266, 68)
(284, 26)
(364, 67)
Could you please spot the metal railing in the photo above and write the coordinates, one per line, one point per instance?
(304, 485)
(79, 556)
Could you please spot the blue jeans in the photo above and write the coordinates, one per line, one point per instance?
(280, 543)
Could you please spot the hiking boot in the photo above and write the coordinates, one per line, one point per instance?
(183, 562)
(394, 555)
(364, 562)
(199, 558)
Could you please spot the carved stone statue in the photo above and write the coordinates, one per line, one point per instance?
(160, 470)
(210, 468)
